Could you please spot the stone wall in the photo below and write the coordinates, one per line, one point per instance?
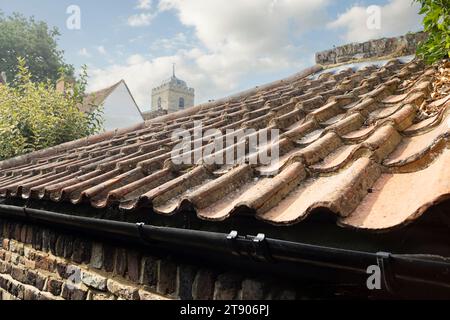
(174, 96)
(386, 47)
(43, 264)
(170, 95)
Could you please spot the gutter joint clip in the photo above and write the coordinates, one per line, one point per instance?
(142, 236)
(232, 242)
(261, 250)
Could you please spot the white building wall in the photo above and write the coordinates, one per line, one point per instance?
(119, 110)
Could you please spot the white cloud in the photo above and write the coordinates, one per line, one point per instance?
(177, 42)
(140, 20)
(84, 53)
(251, 25)
(101, 50)
(144, 4)
(234, 42)
(397, 17)
(137, 39)
(135, 59)
(241, 37)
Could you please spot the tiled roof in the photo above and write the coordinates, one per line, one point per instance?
(357, 143)
(149, 115)
(95, 99)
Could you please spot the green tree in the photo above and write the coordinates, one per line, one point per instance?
(34, 41)
(436, 23)
(34, 115)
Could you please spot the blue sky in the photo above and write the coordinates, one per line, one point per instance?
(220, 47)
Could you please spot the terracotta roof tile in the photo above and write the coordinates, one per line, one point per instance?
(392, 203)
(356, 143)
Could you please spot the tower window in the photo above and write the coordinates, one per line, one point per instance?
(159, 103)
(181, 103)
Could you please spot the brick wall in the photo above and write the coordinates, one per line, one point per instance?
(42, 264)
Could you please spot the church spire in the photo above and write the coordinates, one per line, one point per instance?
(173, 70)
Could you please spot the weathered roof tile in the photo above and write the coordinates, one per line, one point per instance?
(356, 143)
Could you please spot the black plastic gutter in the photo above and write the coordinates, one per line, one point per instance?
(416, 269)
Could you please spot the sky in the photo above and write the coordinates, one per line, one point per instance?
(219, 47)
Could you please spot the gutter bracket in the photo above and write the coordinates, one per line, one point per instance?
(384, 261)
(261, 249)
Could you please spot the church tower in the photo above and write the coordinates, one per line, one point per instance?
(172, 95)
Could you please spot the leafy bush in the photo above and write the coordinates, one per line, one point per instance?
(437, 24)
(35, 116)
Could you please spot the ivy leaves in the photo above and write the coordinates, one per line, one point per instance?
(437, 24)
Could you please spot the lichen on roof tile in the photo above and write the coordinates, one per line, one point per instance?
(356, 143)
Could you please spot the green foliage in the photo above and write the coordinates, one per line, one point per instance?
(35, 116)
(34, 41)
(437, 24)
